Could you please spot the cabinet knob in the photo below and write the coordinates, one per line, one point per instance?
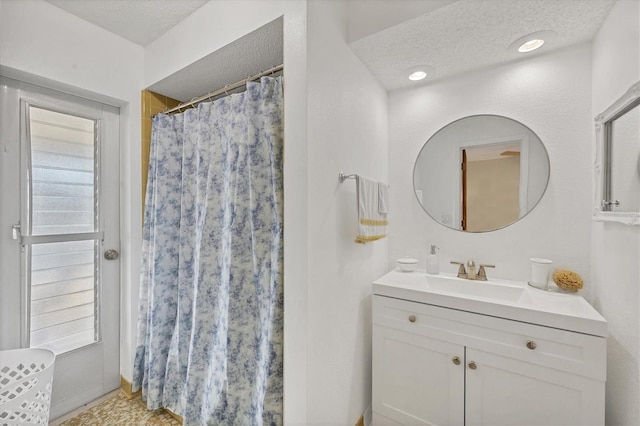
(456, 360)
(412, 318)
(531, 344)
(473, 365)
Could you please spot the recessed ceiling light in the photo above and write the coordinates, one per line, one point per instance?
(533, 41)
(419, 72)
(417, 75)
(531, 45)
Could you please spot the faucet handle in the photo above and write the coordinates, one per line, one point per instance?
(471, 270)
(482, 274)
(462, 273)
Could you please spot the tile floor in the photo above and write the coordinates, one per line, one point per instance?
(115, 409)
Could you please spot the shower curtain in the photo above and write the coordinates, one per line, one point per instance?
(210, 323)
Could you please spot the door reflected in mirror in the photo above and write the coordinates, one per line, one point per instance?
(490, 186)
(481, 173)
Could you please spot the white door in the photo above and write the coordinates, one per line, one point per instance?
(510, 392)
(59, 215)
(417, 380)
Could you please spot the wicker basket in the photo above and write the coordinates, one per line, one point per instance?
(26, 377)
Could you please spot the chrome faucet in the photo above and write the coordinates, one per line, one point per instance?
(470, 273)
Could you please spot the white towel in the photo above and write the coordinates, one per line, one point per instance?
(383, 198)
(372, 225)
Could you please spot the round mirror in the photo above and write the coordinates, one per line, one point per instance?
(481, 173)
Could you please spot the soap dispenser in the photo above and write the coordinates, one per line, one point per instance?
(433, 265)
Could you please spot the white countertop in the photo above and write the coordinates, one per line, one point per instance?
(515, 300)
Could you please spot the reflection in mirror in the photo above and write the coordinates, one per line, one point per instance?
(481, 173)
(617, 195)
(624, 150)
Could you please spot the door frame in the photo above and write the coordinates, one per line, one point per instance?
(28, 94)
(460, 146)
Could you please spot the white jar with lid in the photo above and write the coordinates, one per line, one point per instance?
(407, 264)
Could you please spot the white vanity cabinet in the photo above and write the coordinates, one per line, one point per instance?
(434, 365)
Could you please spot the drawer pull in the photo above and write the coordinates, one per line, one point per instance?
(456, 360)
(473, 365)
(412, 318)
(531, 344)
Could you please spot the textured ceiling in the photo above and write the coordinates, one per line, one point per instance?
(140, 21)
(366, 17)
(389, 36)
(255, 52)
(472, 34)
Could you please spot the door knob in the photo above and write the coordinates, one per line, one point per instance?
(456, 360)
(473, 365)
(111, 254)
(531, 344)
(412, 318)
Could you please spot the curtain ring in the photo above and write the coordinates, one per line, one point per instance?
(225, 89)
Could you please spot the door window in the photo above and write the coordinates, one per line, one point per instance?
(61, 243)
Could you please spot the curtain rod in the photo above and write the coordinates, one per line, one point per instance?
(225, 90)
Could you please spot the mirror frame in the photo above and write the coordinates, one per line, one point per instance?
(603, 162)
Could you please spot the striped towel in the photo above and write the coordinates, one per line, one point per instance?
(372, 225)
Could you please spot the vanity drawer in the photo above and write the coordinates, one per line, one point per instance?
(566, 351)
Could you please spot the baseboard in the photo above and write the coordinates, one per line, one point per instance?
(368, 416)
(175, 416)
(365, 418)
(127, 388)
(60, 408)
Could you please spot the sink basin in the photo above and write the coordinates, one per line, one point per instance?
(485, 289)
(498, 298)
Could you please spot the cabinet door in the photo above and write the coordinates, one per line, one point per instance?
(508, 391)
(416, 380)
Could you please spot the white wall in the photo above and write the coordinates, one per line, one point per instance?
(550, 94)
(347, 119)
(47, 42)
(615, 251)
(44, 45)
(327, 276)
(210, 28)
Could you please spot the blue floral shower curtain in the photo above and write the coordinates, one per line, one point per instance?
(210, 324)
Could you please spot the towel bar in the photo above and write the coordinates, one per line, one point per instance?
(342, 177)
